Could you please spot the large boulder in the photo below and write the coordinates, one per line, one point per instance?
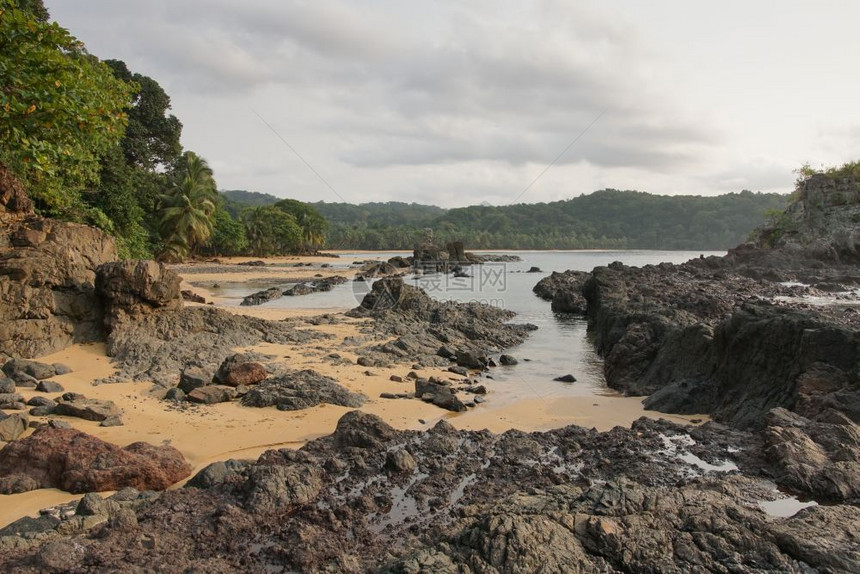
(132, 288)
(240, 369)
(301, 390)
(12, 426)
(76, 462)
(47, 274)
(73, 405)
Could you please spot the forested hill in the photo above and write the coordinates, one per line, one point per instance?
(603, 219)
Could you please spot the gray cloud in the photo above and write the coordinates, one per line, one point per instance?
(400, 97)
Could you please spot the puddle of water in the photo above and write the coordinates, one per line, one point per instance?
(785, 507)
(674, 448)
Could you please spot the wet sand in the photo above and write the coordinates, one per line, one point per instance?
(207, 433)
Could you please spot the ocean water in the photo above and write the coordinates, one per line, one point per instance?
(559, 346)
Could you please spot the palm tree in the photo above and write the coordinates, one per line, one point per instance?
(187, 215)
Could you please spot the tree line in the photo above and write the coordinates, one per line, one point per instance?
(93, 142)
(608, 219)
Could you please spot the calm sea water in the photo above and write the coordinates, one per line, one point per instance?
(560, 346)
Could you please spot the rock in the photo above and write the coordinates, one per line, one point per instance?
(446, 353)
(92, 504)
(60, 556)
(34, 369)
(569, 302)
(395, 378)
(7, 385)
(47, 271)
(13, 198)
(87, 409)
(211, 394)
(61, 369)
(275, 487)
(534, 270)
(131, 289)
(361, 430)
(439, 394)
(193, 378)
(462, 371)
(112, 421)
(470, 360)
(300, 390)
(175, 394)
(8, 399)
(12, 426)
(77, 462)
(263, 296)
(568, 282)
(43, 410)
(40, 401)
(565, 379)
(365, 362)
(240, 369)
(399, 262)
(477, 390)
(400, 461)
(49, 387)
(298, 290)
(188, 295)
(218, 473)
(507, 360)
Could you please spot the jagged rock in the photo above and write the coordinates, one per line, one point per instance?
(49, 387)
(188, 295)
(281, 488)
(194, 378)
(77, 462)
(362, 430)
(399, 262)
(157, 347)
(217, 473)
(211, 394)
(40, 401)
(12, 426)
(240, 369)
(400, 461)
(134, 288)
(112, 421)
(263, 296)
(470, 360)
(440, 394)
(175, 394)
(13, 198)
(300, 390)
(73, 405)
(7, 385)
(34, 369)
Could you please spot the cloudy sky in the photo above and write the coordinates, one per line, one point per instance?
(459, 102)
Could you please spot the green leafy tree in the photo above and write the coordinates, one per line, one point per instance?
(270, 231)
(187, 214)
(309, 220)
(61, 107)
(228, 235)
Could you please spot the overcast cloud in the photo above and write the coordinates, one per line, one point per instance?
(455, 103)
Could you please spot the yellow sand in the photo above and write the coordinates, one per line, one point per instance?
(217, 432)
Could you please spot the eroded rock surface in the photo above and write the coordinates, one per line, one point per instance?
(76, 462)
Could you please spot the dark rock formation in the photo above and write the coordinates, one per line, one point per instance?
(322, 285)
(564, 290)
(370, 498)
(132, 289)
(73, 405)
(300, 390)
(439, 393)
(211, 394)
(422, 327)
(13, 199)
(264, 296)
(159, 346)
(77, 462)
(47, 274)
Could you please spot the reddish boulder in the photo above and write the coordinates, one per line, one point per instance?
(76, 462)
(240, 369)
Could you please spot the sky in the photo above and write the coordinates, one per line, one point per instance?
(456, 102)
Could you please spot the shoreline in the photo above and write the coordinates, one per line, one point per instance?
(246, 432)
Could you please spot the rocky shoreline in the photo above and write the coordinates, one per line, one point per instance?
(734, 337)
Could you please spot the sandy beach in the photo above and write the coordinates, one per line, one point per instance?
(207, 433)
